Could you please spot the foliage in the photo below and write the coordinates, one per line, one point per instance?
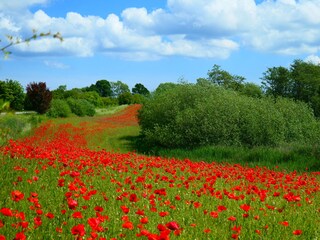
(140, 89)
(11, 91)
(196, 115)
(119, 88)
(16, 126)
(109, 101)
(59, 108)
(125, 98)
(251, 90)
(39, 97)
(163, 87)
(11, 127)
(300, 82)
(4, 106)
(276, 82)
(102, 87)
(60, 92)
(223, 78)
(53, 184)
(81, 107)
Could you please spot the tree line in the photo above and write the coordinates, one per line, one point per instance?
(300, 82)
(223, 109)
(61, 102)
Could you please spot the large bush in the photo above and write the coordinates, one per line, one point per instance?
(193, 115)
(59, 108)
(81, 107)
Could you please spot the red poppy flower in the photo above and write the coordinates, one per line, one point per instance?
(173, 225)
(297, 232)
(20, 236)
(24, 224)
(77, 215)
(284, 223)
(50, 215)
(163, 214)
(245, 207)
(144, 220)
(140, 212)
(221, 208)
(6, 212)
(214, 214)
(133, 197)
(78, 230)
(37, 221)
(124, 209)
(232, 218)
(161, 227)
(128, 225)
(94, 223)
(16, 195)
(72, 203)
(98, 209)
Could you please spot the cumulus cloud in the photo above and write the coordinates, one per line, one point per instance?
(192, 28)
(313, 59)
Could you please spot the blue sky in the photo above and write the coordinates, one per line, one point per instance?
(155, 41)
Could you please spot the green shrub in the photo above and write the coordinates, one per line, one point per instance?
(125, 98)
(81, 107)
(197, 115)
(11, 127)
(59, 108)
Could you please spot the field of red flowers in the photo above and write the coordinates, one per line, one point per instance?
(53, 186)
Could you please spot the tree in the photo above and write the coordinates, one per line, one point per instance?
(39, 97)
(140, 89)
(306, 80)
(11, 91)
(59, 93)
(163, 87)
(252, 90)
(103, 87)
(223, 78)
(119, 88)
(276, 82)
(125, 98)
(300, 82)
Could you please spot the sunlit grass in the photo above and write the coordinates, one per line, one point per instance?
(59, 183)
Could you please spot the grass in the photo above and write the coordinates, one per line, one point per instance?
(126, 139)
(59, 183)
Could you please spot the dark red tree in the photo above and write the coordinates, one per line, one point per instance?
(38, 97)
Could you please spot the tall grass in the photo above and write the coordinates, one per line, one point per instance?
(16, 126)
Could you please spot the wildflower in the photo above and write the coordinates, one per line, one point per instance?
(128, 225)
(16, 195)
(297, 232)
(78, 230)
(172, 225)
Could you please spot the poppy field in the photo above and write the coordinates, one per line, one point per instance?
(55, 184)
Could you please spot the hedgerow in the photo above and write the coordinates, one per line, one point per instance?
(190, 115)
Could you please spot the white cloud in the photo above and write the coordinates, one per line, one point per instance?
(57, 65)
(193, 28)
(313, 59)
(6, 5)
(7, 24)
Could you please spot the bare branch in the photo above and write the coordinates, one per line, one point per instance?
(12, 41)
